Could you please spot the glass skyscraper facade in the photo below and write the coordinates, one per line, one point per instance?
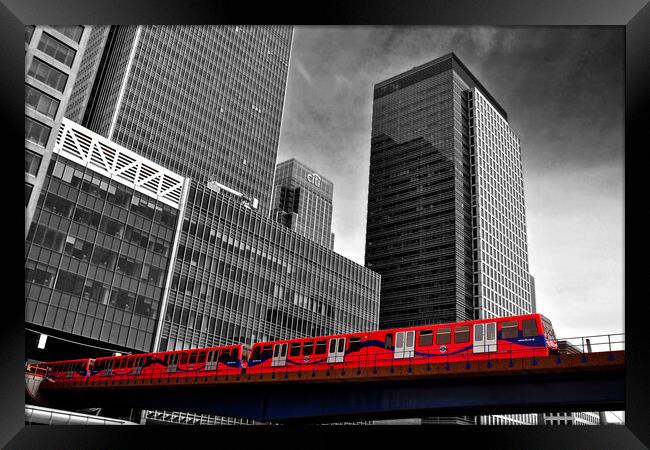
(203, 101)
(241, 277)
(99, 247)
(52, 58)
(446, 222)
(302, 201)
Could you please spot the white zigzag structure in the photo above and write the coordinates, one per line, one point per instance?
(103, 156)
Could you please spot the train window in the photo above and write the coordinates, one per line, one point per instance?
(224, 356)
(184, 357)
(256, 353)
(529, 327)
(193, 357)
(276, 350)
(321, 347)
(307, 349)
(355, 344)
(426, 337)
(332, 346)
(283, 350)
(509, 329)
(443, 335)
(295, 349)
(267, 351)
(341, 345)
(389, 341)
(130, 363)
(201, 357)
(461, 334)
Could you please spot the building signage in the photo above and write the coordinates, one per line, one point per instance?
(314, 179)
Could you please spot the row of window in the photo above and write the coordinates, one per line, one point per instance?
(461, 334)
(116, 194)
(306, 349)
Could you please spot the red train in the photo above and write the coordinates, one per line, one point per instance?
(505, 337)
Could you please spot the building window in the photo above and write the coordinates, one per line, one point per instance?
(47, 74)
(40, 101)
(29, 31)
(73, 32)
(28, 192)
(32, 162)
(36, 132)
(56, 49)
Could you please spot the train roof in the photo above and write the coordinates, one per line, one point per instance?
(415, 327)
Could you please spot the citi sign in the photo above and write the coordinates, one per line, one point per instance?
(314, 179)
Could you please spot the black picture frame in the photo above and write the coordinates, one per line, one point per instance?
(632, 15)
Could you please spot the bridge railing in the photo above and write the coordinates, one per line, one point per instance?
(595, 343)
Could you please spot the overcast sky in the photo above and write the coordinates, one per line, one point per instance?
(563, 90)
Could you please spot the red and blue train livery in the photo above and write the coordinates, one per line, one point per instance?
(523, 336)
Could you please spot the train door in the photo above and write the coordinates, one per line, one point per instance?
(404, 344)
(485, 337)
(279, 355)
(173, 363)
(211, 362)
(336, 350)
(137, 366)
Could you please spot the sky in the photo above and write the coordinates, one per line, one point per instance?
(563, 89)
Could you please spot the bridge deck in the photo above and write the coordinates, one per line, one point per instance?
(585, 362)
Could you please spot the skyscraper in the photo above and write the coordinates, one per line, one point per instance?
(446, 220)
(203, 101)
(302, 201)
(52, 58)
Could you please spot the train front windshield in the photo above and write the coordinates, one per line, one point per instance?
(549, 334)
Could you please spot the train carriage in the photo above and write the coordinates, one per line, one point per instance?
(507, 337)
(223, 360)
(65, 371)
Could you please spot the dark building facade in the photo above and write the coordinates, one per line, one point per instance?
(446, 225)
(99, 248)
(302, 201)
(203, 101)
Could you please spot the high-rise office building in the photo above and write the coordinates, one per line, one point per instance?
(52, 58)
(302, 201)
(446, 221)
(99, 249)
(203, 101)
